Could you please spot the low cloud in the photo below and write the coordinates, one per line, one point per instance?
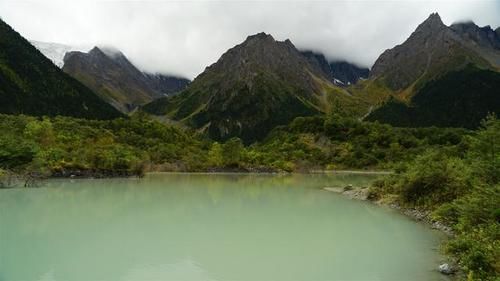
(182, 38)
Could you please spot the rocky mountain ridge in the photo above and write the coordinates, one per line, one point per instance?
(110, 74)
(253, 87)
(31, 84)
(440, 76)
(433, 49)
(341, 73)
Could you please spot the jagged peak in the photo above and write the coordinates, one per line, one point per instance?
(434, 17)
(260, 36)
(469, 25)
(266, 38)
(433, 21)
(111, 52)
(96, 51)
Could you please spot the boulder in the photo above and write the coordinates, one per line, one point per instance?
(446, 269)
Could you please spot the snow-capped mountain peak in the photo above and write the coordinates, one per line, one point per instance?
(55, 51)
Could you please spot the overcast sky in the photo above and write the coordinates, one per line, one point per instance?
(183, 37)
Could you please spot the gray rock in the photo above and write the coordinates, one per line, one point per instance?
(446, 269)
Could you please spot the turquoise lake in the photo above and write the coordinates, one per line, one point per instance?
(220, 227)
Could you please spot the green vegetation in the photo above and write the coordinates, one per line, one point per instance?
(336, 142)
(454, 173)
(254, 87)
(458, 99)
(64, 146)
(32, 84)
(461, 187)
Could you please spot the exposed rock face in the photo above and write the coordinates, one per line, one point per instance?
(341, 73)
(253, 87)
(441, 76)
(261, 53)
(166, 85)
(482, 36)
(433, 49)
(110, 74)
(348, 72)
(319, 61)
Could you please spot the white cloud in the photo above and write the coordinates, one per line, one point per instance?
(182, 38)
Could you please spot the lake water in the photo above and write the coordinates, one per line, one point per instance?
(208, 227)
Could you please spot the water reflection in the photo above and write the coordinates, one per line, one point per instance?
(207, 227)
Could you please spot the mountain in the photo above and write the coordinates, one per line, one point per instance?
(482, 36)
(440, 76)
(253, 87)
(339, 72)
(55, 51)
(31, 84)
(166, 85)
(458, 99)
(111, 75)
(347, 72)
(432, 50)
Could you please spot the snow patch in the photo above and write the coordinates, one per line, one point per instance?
(55, 51)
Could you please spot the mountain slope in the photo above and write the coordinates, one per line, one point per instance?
(440, 76)
(458, 99)
(431, 50)
(166, 85)
(55, 51)
(338, 72)
(252, 88)
(111, 75)
(31, 84)
(348, 72)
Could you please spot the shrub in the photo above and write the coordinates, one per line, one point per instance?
(434, 178)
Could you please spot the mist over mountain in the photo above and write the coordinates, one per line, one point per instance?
(180, 38)
(55, 51)
(31, 84)
(109, 73)
(263, 83)
(253, 87)
(441, 75)
(341, 73)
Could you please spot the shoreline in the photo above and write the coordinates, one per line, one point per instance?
(101, 174)
(416, 215)
(363, 194)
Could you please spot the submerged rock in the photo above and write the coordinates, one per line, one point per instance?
(351, 192)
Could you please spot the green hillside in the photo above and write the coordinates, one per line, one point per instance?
(32, 84)
(252, 88)
(458, 99)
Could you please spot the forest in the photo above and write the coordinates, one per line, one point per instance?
(451, 173)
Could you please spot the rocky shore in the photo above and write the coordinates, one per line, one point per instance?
(363, 193)
(93, 173)
(423, 216)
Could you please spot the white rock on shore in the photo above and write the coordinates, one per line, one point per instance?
(446, 269)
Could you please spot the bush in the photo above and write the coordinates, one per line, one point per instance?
(478, 251)
(431, 179)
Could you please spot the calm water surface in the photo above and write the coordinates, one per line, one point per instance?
(208, 227)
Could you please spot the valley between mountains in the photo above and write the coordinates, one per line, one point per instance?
(426, 110)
